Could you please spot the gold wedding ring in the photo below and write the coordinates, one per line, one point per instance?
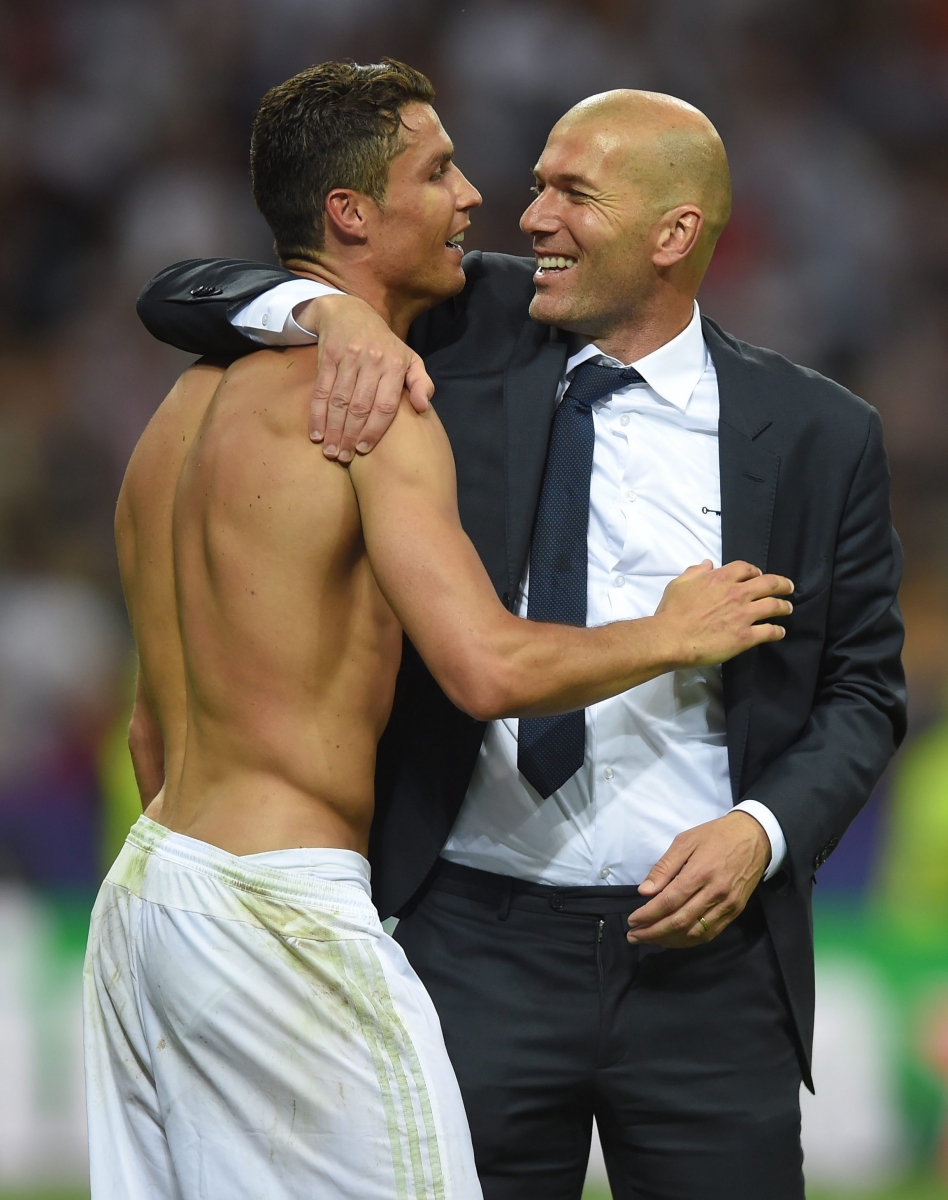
(704, 924)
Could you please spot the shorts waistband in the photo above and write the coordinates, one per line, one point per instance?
(322, 881)
(506, 892)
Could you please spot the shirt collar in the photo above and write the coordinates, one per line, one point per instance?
(672, 371)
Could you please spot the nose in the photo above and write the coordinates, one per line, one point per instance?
(468, 195)
(539, 217)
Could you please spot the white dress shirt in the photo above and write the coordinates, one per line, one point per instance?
(656, 757)
(269, 318)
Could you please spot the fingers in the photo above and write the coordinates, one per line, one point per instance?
(701, 568)
(767, 609)
(360, 407)
(707, 882)
(365, 397)
(666, 868)
(669, 901)
(738, 571)
(698, 921)
(388, 396)
(768, 585)
(758, 635)
(319, 404)
(677, 922)
(340, 395)
(419, 384)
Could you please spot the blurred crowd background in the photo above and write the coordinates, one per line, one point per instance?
(124, 130)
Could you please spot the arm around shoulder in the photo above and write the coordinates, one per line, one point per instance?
(189, 304)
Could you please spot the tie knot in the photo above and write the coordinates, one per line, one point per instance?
(592, 381)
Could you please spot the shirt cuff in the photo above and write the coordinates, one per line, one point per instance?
(778, 844)
(268, 318)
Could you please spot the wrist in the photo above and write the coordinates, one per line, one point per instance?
(310, 313)
(754, 830)
(672, 651)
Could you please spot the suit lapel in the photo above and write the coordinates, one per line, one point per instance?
(530, 384)
(749, 474)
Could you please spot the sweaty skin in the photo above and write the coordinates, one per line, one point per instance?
(268, 587)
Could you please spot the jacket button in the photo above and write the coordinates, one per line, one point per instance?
(205, 289)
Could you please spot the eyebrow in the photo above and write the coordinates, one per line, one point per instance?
(567, 177)
(444, 156)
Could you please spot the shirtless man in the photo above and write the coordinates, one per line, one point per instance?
(250, 1029)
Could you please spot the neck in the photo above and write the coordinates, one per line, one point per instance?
(396, 310)
(651, 328)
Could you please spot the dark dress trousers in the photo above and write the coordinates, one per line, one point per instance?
(812, 722)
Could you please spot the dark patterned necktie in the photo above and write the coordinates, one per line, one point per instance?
(551, 749)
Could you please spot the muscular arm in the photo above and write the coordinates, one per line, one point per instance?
(492, 664)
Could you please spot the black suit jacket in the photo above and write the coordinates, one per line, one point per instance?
(811, 721)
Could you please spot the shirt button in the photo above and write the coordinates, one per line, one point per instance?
(608, 773)
(631, 497)
(619, 581)
(265, 319)
(604, 873)
(624, 419)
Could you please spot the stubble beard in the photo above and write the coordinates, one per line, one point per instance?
(595, 316)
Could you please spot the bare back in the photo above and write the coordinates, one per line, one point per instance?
(288, 650)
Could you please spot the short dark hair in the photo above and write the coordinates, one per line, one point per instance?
(337, 124)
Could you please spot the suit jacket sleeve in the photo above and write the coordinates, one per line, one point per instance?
(189, 304)
(858, 719)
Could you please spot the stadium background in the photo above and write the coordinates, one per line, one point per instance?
(123, 146)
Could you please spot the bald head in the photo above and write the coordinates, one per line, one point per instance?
(634, 191)
(664, 146)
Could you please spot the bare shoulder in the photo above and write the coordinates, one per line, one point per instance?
(156, 459)
(412, 440)
(189, 398)
(174, 422)
(277, 367)
(412, 464)
(274, 381)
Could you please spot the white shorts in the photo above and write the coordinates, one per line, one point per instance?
(251, 1033)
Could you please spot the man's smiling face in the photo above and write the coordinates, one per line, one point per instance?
(591, 224)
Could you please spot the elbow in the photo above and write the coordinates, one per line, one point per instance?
(484, 707)
(484, 691)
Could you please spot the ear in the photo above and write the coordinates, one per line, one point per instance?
(677, 234)
(349, 214)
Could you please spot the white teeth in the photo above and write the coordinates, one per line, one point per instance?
(456, 240)
(559, 262)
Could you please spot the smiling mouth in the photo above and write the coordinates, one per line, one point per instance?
(549, 264)
(454, 243)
